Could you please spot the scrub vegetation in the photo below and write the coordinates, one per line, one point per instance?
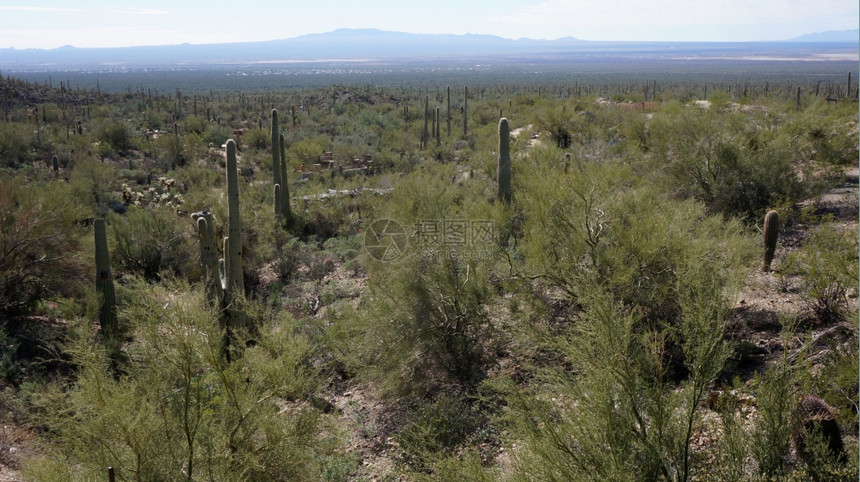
(364, 282)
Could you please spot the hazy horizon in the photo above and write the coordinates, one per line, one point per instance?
(50, 24)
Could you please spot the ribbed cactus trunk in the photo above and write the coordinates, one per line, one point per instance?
(209, 256)
(285, 189)
(104, 287)
(504, 166)
(465, 110)
(433, 119)
(231, 267)
(438, 132)
(55, 163)
(771, 233)
(425, 134)
(276, 166)
(233, 255)
(448, 119)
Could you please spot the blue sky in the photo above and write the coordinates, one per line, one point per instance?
(86, 23)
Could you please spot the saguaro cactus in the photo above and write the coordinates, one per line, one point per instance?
(276, 165)
(438, 124)
(425, 134)
(55, 163)
(209, 255)
(448, 115)
(771, 232)
(233, 241)
(232, 282)
(465, 109)
(105, 289)
(504, 166)
(285, 190)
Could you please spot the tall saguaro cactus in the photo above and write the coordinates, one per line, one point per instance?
(209, 255)
(233, 241)
(504, 166)
(465, 109)
(438, 133)
(104, 287)
(285, 190)
(448, 115)
(771, 233)
(230, 267)
(425, 134)
(276, 165)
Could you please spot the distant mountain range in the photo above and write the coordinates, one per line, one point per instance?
(830, 36)
(342, 45)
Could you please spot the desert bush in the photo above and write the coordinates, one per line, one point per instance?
(257, 138)
(116, 134)
(39, 241)
(650, 282)
(433, 315)
(195, 415)
(623, 413)
(436, 428)
(827, 266)
(94, 183)
(633, 239)
(770, 436)
(719, 159)
(15, 144)
(148, 241)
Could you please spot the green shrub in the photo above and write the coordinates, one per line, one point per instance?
(770, 437)
(434, 316)
(195, 415)
(650, 282)
(116, 134)
(38, 244)
(14, 144)
(718, 159)
(148, 241)
(827, 266)
(94, 184)
(436, 428)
